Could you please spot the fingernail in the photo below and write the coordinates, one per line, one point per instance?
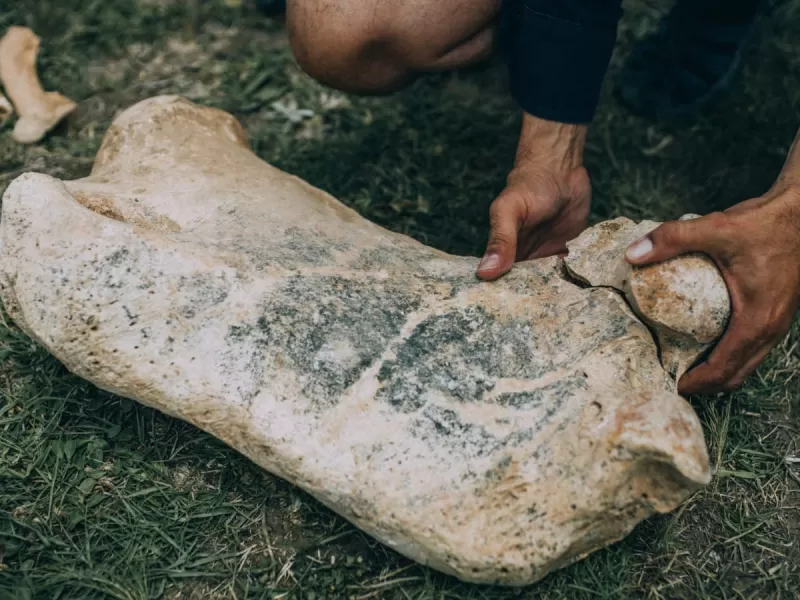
(489, 262)
(640, 249)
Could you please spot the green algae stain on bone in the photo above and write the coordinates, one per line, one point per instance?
(326, 330)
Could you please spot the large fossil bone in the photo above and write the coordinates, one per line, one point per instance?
(493, 431)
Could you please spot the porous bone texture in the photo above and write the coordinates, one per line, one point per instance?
(494, 431)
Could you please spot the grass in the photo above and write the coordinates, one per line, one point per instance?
(103, 498)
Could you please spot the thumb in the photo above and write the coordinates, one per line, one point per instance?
(672, 239)
(501, 249)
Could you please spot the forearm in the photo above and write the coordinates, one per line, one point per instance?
(556, 146)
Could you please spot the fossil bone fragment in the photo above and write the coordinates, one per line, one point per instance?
(684, 300)
(493, 431)
(38, 111)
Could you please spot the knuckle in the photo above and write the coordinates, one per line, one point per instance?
(728, 372)
(500, 238)
(766, 329)
(720, 374)
(693, 234)
(669, 234)
(505, 212)
(734, 383)
(717, 382)
(718, 220)
(500, 205)
(779, 326)
(771, 333)
(721, 237)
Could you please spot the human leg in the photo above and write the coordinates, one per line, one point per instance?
(376, 46)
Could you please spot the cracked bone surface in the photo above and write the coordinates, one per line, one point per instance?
(494, 431)
(684, 300)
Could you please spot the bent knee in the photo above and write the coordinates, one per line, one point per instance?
(342, 45)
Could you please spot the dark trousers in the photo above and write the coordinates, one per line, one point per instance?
(719, 12)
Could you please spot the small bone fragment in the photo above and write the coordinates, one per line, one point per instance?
(38, 111)
(684, 300)
(493, 431)
(6, 110)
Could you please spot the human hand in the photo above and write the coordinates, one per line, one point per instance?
(756, 246)
(546, 200)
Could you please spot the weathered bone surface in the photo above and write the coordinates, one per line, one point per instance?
(493, 431)
(39, 111)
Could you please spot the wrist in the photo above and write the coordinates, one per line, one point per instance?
(787, 187)
(793, 189)
(789, 178)
(550, 144)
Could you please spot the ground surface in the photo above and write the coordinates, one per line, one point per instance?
(101, 498)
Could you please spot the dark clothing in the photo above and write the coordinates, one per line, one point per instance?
(558, 50)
